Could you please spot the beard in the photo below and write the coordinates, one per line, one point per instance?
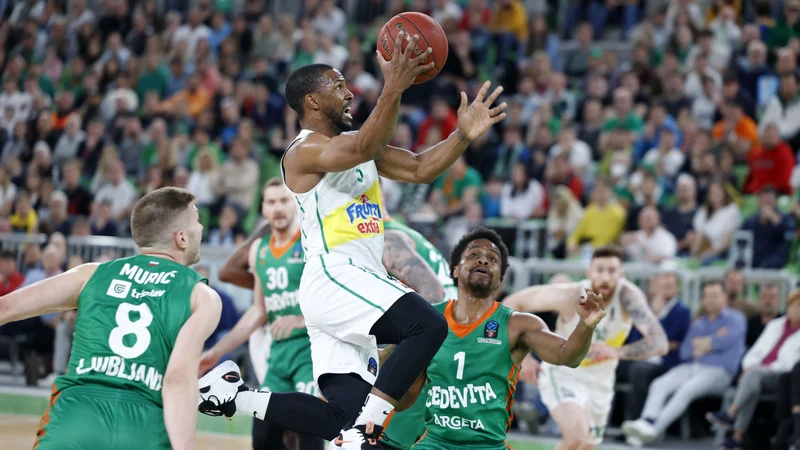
(480, 286)
(338, 119)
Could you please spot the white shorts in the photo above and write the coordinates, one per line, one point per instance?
(595, 394)
(340, 302)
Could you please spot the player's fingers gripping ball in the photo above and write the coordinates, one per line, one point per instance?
(430, 34)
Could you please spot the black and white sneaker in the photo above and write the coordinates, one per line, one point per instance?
(218, 390)
(359, 437)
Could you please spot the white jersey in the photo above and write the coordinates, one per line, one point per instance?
(341, 216)
(613, 330)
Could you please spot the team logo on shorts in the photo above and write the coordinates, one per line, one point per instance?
(490, 330)
(372, 366)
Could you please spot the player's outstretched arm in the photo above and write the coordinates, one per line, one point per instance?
(234, 271)
(474, 120)
(180, 381)
(552, 348)
(403, 262)
(654, 340)
(319, 154)
(254, 317)
(55, 294)
(558, 298)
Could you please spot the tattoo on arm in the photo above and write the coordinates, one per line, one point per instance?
(403, 262)
(654, 340)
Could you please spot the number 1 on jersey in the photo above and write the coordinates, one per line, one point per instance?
(460, 357)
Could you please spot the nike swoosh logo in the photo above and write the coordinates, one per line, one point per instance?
(339, 441)
(231, 378)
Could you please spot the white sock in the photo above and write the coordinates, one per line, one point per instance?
(253, 403)
(375, 410)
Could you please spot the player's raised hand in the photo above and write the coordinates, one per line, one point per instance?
(591, 308)
(476, 118)
(399, 72)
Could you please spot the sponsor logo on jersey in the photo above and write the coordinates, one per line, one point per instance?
(151, 293)
(119, 288)
(152, 263)
(490, 341)
(490, 329)
(367, 212)
(141, 276)
(262, 254)
(457, 422)
(453, 397)
(372, 366)
(279, 301)
(117, 367)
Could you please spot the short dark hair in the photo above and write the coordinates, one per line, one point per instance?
(155, 212)
(302, 82)
(7, 254)
(474, 235)
(274, 181)
(608, 251)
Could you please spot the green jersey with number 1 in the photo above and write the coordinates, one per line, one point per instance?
(471, 383)
(129, 314)
(432, 256)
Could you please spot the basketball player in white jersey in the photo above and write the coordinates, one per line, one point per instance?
(348, 300)
(580, 399)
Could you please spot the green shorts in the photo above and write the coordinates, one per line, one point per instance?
(96, 417)
(290, 368)
(428, 442)
(404, 428)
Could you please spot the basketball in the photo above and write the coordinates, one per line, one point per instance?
(430, 34)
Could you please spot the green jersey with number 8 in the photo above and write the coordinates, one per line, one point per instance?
(471, 384)
(129, 314)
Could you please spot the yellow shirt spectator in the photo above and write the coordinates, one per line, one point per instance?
(509, 16)
(25, 223)
(599, 225)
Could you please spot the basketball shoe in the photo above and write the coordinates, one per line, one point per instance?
(359, 437)
(218, 390)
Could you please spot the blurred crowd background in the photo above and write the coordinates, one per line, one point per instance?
(669, 127)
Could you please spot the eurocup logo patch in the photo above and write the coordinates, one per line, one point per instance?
(372, 366)
(297, 250)
(490, 330)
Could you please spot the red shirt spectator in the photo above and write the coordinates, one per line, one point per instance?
(771, 163)
(560, 172)
(10, 278)
(441, 117)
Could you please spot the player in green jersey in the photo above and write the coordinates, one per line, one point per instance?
(402, 429)
(277, 263)
(471, 381)
(131, 382)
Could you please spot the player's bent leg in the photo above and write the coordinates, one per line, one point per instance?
(572, 420)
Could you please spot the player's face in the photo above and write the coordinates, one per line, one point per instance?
(277, 207)
(338, 102)
(479, 268)
(605, 274)
(194, 235)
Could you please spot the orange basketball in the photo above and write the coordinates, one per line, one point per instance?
(430, 35)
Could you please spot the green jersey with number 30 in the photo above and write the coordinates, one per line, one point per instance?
(432, 256)
(129, 315)
(471, 381)
(279, 270)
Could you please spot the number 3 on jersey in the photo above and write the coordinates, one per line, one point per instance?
(126, 326)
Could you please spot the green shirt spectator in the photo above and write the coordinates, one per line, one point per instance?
(155, 78)
(461, 184)
(631, 122)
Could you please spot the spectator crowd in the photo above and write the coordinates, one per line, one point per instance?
(670, 127)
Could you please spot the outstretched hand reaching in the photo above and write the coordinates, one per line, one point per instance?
(477, 117)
